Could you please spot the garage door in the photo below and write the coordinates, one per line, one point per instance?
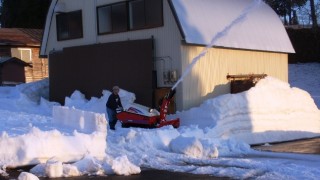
(93, 68)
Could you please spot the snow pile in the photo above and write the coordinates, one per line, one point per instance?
(73, 141)
(88, 165)
(54, 168)
(38, 146)
(27, 176)
(122, 166)
(35, 90)
(29, 98)
(269, 112)
(190, 146)
(98, 105)
(83, 121)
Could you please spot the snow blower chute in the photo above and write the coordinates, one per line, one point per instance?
(141, 116)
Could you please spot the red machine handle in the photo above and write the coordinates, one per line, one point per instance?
(165, 104)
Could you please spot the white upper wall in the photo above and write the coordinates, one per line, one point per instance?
(167, 38)
(202, 20)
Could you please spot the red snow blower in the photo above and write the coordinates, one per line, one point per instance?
(141, 116)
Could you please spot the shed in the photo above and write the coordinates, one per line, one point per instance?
(12, 71)
(24, 44)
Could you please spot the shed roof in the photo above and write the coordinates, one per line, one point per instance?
(261, 29)
(4, 60)
(20, 36)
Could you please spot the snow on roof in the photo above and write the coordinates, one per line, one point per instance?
(201, 20)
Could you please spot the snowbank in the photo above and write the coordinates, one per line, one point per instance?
(271, 111)
(29, 98)
(98, 105)
(38, 146)
(83, 121)
(27, 137)
(72, 141)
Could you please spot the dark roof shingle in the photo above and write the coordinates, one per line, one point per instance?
(13, 59)
(20, 37)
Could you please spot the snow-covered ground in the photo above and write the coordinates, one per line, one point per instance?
(213, 139)
(306, 76)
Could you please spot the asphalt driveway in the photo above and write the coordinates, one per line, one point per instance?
(305, 146)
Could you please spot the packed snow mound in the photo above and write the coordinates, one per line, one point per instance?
(38, 146)
(98, 105)
(82, 121)
(29, 98)
(267, 112)
(27, 176)
(35, 90)
(122, 166)
(54, 168)
(189, 146)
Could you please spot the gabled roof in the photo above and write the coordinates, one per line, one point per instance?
(20, 37)
(4, 60)
(260, 29)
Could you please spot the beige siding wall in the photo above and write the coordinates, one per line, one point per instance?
(208, 77)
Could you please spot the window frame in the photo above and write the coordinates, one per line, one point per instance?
(67, 15)
(110, 5)
(25, 49)
(128, 19)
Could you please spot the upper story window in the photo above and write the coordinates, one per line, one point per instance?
(145, 14)
(69, 25)
(112, 18)
(129, 15)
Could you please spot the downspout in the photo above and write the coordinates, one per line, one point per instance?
(95, 21)
(46, 36)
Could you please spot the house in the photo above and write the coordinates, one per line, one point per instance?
(144, 46)
(12, 71)
(24, 44)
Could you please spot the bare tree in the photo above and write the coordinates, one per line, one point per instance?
(286, 8)
(313, 15)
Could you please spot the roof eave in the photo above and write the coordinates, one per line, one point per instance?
(184, 42)
(176, 19)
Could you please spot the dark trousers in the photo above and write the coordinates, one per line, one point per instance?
(112, 116)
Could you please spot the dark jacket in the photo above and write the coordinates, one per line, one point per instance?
(114, 102)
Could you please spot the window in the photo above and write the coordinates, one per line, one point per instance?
(112, 18)
(69, 25)
(104, 19)
(137, 14)
(154, 16)
(24, 54)
(119, 17)
(129, 15)
(145, 14)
